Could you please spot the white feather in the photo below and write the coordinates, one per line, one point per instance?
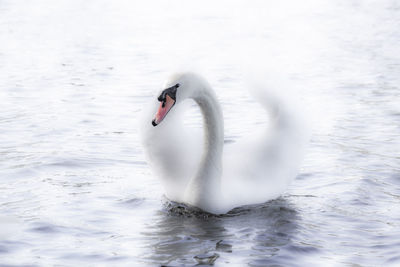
(200, 171)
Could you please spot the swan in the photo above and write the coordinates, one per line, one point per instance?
(199, 170)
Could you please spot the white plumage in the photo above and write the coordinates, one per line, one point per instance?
(202, 172)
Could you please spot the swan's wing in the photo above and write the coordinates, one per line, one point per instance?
(259, 167)
(172, 150)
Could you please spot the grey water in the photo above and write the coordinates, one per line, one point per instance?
(75, 189)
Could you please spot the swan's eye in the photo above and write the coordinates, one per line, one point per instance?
(167, 99)
(171, 91)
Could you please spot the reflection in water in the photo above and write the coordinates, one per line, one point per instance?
(182, 235)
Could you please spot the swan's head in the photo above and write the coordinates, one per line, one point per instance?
(177, 88)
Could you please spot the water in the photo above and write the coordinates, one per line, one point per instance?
(74, 76)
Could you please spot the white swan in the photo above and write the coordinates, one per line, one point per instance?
(217, 179)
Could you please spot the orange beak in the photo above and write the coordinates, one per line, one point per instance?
(165, 107)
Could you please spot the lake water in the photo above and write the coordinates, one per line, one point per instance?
(75, 189)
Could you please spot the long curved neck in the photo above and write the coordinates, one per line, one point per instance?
(213, 124)
(204, 188)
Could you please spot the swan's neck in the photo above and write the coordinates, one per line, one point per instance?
(204, 188)
(213, 124)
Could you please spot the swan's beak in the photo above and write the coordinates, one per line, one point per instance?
(165, 107)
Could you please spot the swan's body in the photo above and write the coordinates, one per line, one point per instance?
(213, 178)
